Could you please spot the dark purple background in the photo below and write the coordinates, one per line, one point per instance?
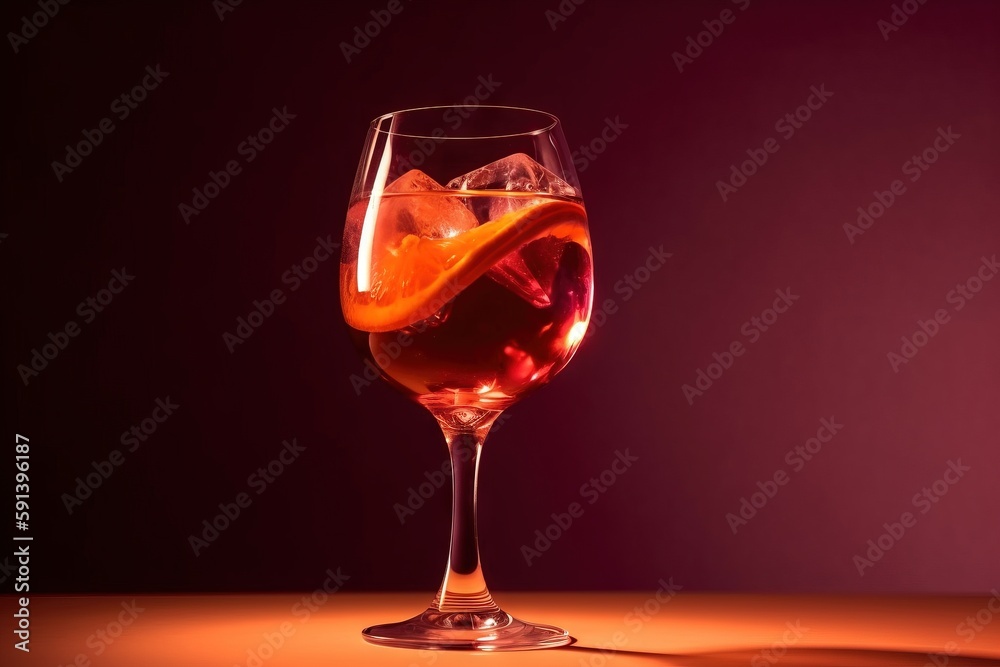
(654, 185)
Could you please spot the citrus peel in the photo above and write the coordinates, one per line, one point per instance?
(416, 278)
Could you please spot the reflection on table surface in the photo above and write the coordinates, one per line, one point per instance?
(622, 628)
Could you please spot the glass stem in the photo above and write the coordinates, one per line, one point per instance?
(464, 590)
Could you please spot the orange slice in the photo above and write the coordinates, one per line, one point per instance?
(417, 278)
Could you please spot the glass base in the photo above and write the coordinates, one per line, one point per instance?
(490, 631)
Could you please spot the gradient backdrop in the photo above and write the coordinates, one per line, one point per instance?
(683, 124)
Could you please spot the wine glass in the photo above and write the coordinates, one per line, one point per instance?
(466, 278)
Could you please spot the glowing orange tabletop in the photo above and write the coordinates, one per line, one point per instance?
(609, 628)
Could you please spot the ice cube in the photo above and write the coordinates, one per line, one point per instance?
(512, 272)
(530, 271)
(521, 271)
(427, 215)
(514, 173)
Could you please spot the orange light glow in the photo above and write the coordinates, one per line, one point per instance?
(636, 628)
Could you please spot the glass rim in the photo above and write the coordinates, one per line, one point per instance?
(553, 122)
